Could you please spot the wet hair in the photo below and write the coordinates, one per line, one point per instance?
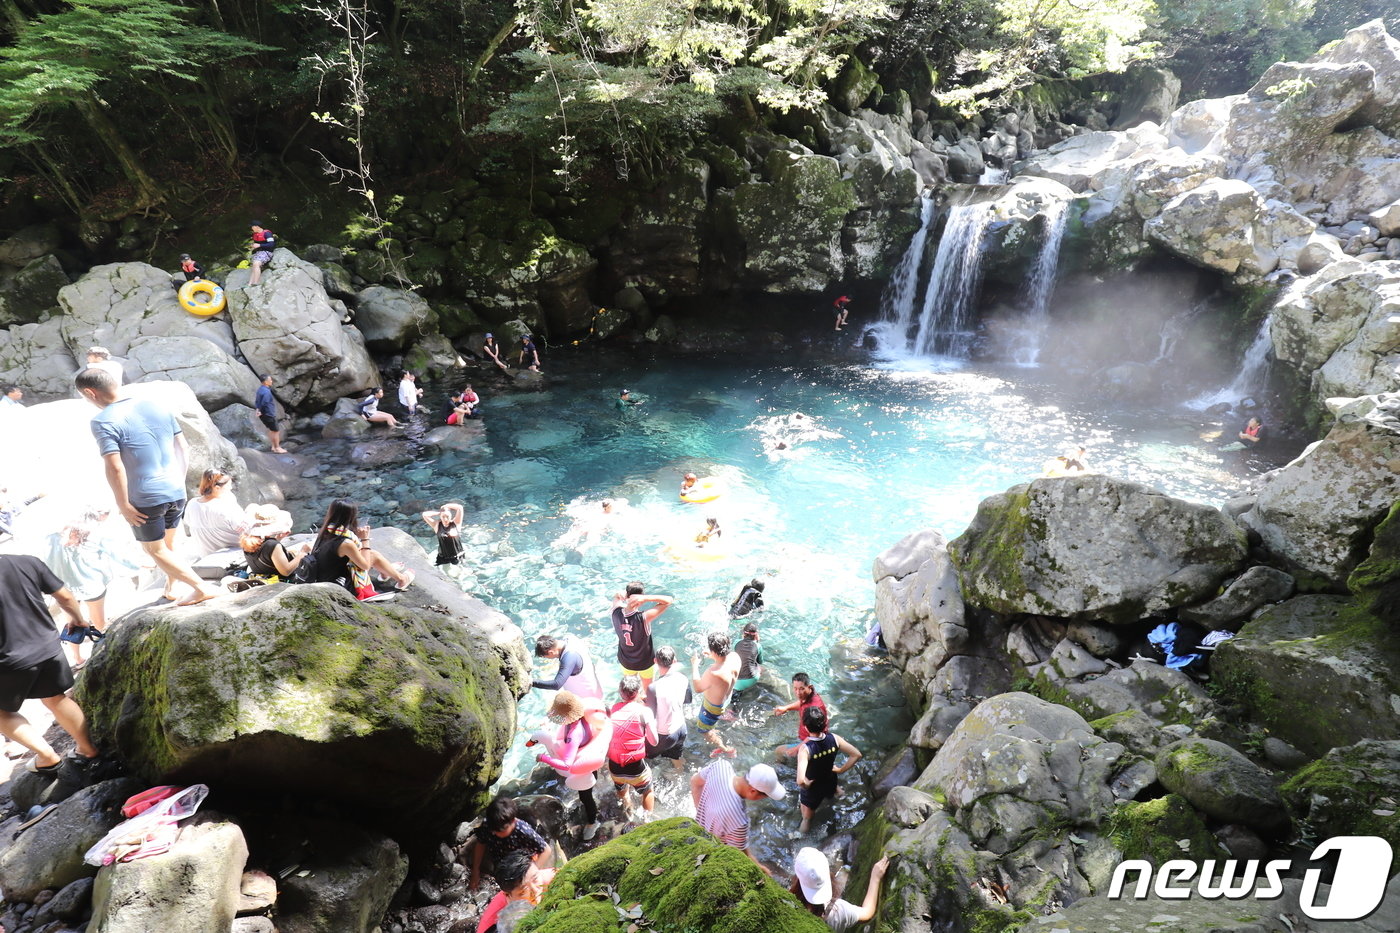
(342, 513)
(750, 629)
(801, 678)
(690, 476)
(99, 352)
(208, 481)
(757, 584)
(499, 813)
(718, 642)
(814, 718)
(544, 645)
(511, 870)
(629, 686)
(665, 656)
(98, 380)
(635, 588)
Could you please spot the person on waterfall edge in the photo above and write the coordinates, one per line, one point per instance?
(842, 310)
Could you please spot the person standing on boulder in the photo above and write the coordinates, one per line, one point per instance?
(32, 665)
(842, 310)
(264, 242)
(144, 452)
(266, 407)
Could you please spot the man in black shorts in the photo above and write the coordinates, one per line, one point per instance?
(32, 665)
(266, 407)
(670, 693)
(144, 454)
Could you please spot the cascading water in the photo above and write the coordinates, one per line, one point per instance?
(1250, 379)
(957, 274)
(897, 304)
(1040, 285)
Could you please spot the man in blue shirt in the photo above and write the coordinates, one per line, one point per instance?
(266, 407)
(144, 454)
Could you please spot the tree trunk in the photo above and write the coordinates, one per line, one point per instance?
(100, 122)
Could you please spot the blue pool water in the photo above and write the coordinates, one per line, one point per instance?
(893, 447)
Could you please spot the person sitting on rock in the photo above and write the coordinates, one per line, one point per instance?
(342, 554)
(264, 242)
(492, 349)
(268, 559)
(471, 400)
(214, 520)
(811, 882)
(522, 883)
(446, 523)
(529, 354)
(192, 270)
(502, 833)
(369, 409)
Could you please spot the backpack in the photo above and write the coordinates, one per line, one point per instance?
(306, 571)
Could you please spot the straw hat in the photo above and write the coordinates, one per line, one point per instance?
(566, 708)
(267, 520)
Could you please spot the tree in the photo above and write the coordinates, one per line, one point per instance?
(69, 59)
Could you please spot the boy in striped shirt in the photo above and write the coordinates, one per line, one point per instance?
(719, 796)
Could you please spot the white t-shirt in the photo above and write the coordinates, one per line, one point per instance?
(408, 393)
(841, 915)
(214, 525)
(670, 692)
(721, 809)
(108, 366)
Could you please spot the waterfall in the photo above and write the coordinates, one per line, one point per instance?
(1250, 378)
(953, 285)
(1040, 285)
(897, 304)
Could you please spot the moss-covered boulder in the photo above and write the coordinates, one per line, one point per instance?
(1351, 791)
(1318, 671)
(657, 246)
(1376, 580)
(400, 710)
(1222, 783)
(1093, 547)
(853, 85)
(1161, 830)
(670, 875)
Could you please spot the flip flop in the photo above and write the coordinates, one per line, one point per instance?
(408, 582)
(43, 812)
(33, 767)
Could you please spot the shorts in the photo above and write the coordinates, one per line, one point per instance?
(636, 775)
(646, 675)
(670, 746)
(160, 518)
(263, 256)
(709, 715)
(813, 797)
(268, 422)
(48, 678)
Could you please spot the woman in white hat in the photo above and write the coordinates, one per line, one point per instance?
(268, 558)
(811, 882)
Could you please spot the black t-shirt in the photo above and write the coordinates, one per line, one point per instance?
(27, 633)
(260, 561)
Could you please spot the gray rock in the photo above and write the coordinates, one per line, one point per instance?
(36, 357)
(320, 252)
(1219, 225)
(1386, 219)
(1369, 43)
(25, 296)
(215, 377)
(1351, 791)
(286, 326)
(1134, 729)
(1256, 587)
(28, 244)
(907, 807)
(379, 453)
(339, 284)
(897, 770)
(71, 903)
(391, 319)
(1093, 547)
(239, 424)
(1133, 780)
(1166, 695)
(1223, 784)
(920, 609)
(1242, 842)
(1070, 661)
(345, 886)
(610, 321)
(1283, 756)
(1101, 641)
(253, 925)
(434, 356)
(1192, 915)
(257, 891)
(192, 888)
(460, 437)
(49, 854)
(1149, 95)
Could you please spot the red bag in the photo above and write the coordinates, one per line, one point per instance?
(140, 803)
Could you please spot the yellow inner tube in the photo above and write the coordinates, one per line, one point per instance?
(202, 298)
(704, 490)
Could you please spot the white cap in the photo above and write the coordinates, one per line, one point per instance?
(813, 873)
(764, 779)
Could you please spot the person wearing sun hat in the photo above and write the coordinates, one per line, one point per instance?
(719, 796)
(811, 882)
(577, 748)
(268, 558)
(492, 349)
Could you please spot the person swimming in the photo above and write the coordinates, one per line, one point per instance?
(712, 530)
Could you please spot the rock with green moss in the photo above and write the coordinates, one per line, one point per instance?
(1191, 915)
(1093, 547)
(1161, 830)
(1166, 696)
(669, 875)
(1351, 791)
(1318, 671)
(853, 85)
(1223, 784)
(658, 245)
(391, 318)
(524, 265)
(1376, 581)
(400, 710)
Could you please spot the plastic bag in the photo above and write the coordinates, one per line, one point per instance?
(151, 833)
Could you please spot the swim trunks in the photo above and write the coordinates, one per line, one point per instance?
(709, 715)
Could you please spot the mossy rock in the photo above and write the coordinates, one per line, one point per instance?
(401, 711)
(1155, 830)
(1223, 784)
(1376, 581)
(790, 225)
(1352, 791)
(673, 875)
(853, 85)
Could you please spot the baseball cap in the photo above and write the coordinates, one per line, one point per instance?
(764, 779)
(488, 337)
(623, 392)
(813, 873)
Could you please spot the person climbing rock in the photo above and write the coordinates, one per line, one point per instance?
(264, 243)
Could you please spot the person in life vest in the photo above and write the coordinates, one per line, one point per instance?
(264, 242)
(193, 271)
(1253, 431)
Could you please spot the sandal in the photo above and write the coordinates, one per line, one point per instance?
(410, 576)
(33, 767)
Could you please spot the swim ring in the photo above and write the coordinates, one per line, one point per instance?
(580, 774)
(707, 489)
(685, 552)
(202, 298)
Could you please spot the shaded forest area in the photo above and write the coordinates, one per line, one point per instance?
(114, 108)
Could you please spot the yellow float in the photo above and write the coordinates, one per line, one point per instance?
(704, 490)
(202, 298)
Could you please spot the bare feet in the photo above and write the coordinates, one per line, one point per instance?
(279, 450)
(725, 751)
(200, 595)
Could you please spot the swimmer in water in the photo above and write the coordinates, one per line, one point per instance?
(712, 530)
(687, 482)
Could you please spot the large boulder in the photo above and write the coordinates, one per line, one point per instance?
(1149, 95)
(1093, 547)
(217, 379)
(390, 318)
(28, 244)
(36, 358)
(1248, 592)
(1334, 329)
(33, 290)
(1318, 512)
(920, 608)
(657, 247)
(1102, 914)
(287, 326)
(1318, 671)
(192, 887)
(49, 854)
(401, 710)
(1351, 791)
(1223, 784)
(114, 305)
(1216, 225)
(345, 885)
(680, 877)
(1370, 43)
(1376, 580)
